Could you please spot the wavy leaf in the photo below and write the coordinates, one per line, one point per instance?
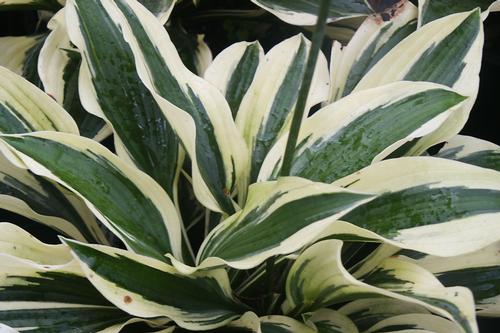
(41, 200)
(149, 288)
(195, 109)
(58, 67)
(142, 133)
(25, 108)
(233, 71)
(266, 110)
(472, 151)
(479, 271)
(59, 298)
(360, 129)
(427, 204)
(127, 201)
(303, 12)
(278, 218)
(317, 280)
(446, 51)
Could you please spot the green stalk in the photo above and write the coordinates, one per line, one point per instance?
(298, 114)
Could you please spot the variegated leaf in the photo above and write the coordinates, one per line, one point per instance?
(359, 129)
(283, 324)
(417, 322)
(142, 133)
(446, 51)
(42, 200)
(36, 298)
(432, 205)
(18, 243)
(58, 67)
(472, 151)
(373, 39)
(430, 10)
(367, 312)
(330, 321)
(479, 271)
(196, 110)
(233, 71)
(20, 55)
(130, 203)
(279, 217)
(317, 280)
(303, 12)
(152, 288)
(266, 110)
(25, 108)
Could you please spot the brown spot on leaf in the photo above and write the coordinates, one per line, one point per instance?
(127, 299)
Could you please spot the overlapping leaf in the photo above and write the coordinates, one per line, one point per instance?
(430, 10)
(43, 290)
(195, 109)
(446, 51)
(278, 218)
(317, 280)
(360, 129)
(20, 55)
(41, 200)
(142, 133)
(371, 42)
(472, 151)
(233, 71)
(149, 288)
(25, 108)
(367, 312)
(303, 12)
(126, 200)
(265, 111)
(432, 205)
(479, 271)
(330, 321)
(58, 67)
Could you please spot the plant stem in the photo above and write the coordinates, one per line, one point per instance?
(298, 114)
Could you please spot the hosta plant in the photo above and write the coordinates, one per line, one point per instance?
(221, 206)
